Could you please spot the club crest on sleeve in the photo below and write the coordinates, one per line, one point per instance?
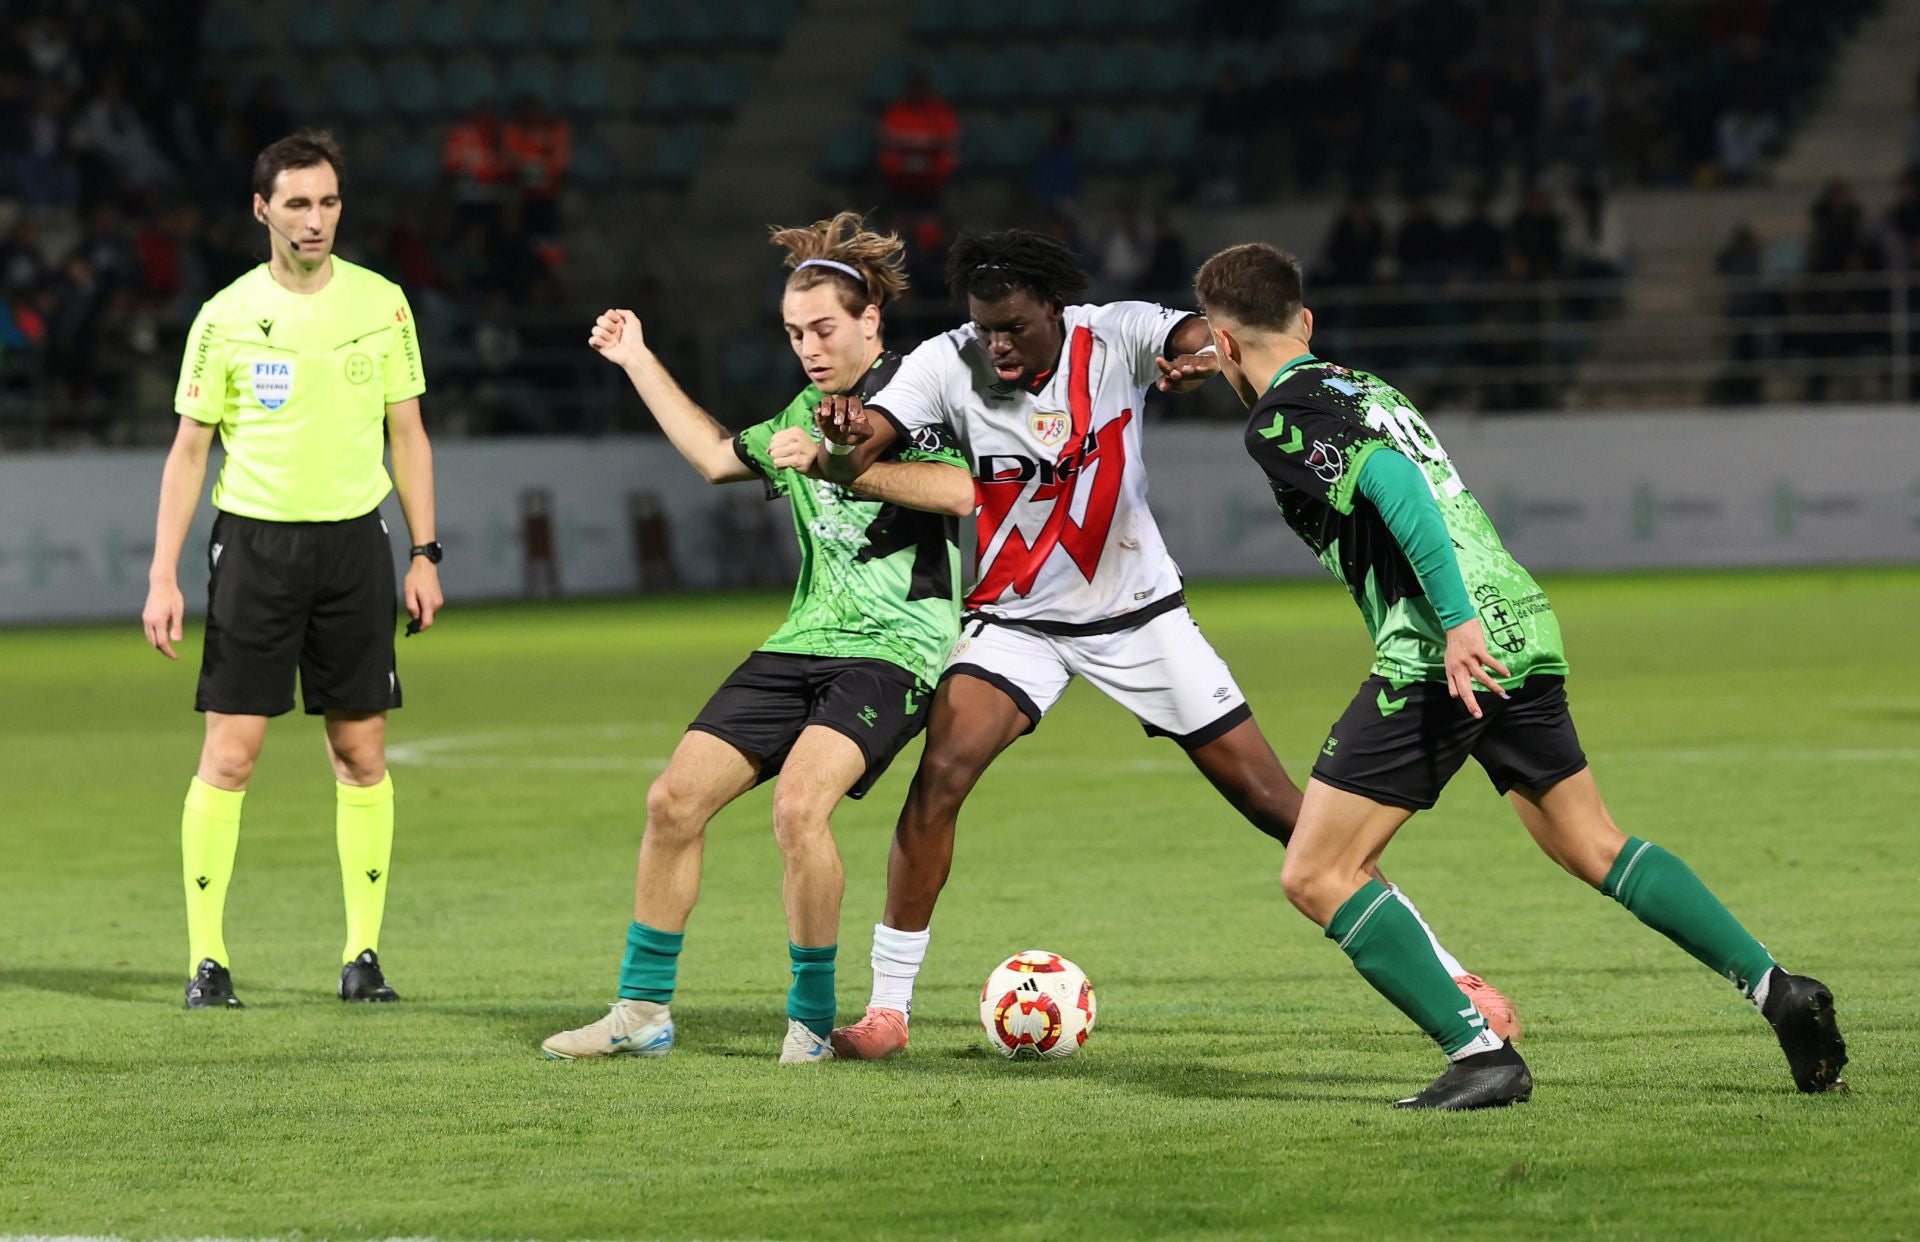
(1327, 463)
(1049, 429)
(272, 383)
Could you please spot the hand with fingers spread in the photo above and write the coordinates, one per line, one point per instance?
(1468, 662)
(162, 616)
(791, 448)
(1187, 372)
(617, 337)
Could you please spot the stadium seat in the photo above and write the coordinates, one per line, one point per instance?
(1174, 71)
(412, 89)
(996, 78)
(705, 25)
(470, 82)
(228, 28)
(724, 87)
(765, 23)
(652, 28)
(935, 19)
(674, 90)
(441, 26)
(354, 89)
(411, 164)
(503, 26)
(567, 27)
(888, 82)
(594, 165)
(676, 156)
(587, 89)
(529, 76)
(315, 29)
(848, 152)
(1016, 142)
(380, 27)
(1066, 72)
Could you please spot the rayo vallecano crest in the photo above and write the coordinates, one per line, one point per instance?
(1049, 429)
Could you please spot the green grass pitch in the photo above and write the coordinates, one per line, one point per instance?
(1764, 726)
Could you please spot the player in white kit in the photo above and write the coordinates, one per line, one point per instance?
(1071, 578)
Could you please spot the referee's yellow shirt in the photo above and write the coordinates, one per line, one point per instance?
(298, 385)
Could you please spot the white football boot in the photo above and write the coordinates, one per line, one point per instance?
(631, 1028)
(803, 1047)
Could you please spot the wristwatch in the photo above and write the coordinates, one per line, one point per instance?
(432, 551)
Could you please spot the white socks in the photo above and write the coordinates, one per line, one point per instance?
(1485, 1041)
(1760, 990)
(1447, 959)
(896, 961)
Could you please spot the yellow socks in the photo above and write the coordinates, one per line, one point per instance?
(209, 835)
(364, 831)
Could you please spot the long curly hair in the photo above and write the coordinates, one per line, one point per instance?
(845, 238)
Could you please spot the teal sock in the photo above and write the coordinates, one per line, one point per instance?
(1392, 952)
(653, 956)
(810, 999)
(1665, 894)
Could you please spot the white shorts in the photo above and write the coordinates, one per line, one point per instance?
(1165, 672)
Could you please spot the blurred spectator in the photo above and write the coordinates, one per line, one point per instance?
(475, 164)
(1838, 229)
(1055, 182)
(919, 142)
(1739, 262)
(1903, 221)
(1169, 274)
(1479, 244)
(1422, 247)
(1125, 247)
(1355, 246)
(1536, 230)
(538, 148)
(1747, 124)
(1597, 246)
(117, 153)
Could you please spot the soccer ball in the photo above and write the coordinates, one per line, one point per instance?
(1037, 1004)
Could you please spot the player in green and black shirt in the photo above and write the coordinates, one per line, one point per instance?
(843, 685)
(1360, 476)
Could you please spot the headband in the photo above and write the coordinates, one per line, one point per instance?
(836, 265)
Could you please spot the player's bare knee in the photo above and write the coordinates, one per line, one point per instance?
(800, 821)
(227, 763)
(359, 767)
(1312, 891)
(672, 814)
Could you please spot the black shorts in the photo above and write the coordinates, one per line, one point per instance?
(1401, 747)
(318, 597)
(769, 699)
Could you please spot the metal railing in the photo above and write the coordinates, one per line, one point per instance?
(1488, 345)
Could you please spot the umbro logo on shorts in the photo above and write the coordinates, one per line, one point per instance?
(218, 548)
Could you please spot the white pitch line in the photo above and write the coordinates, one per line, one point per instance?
(508, 749)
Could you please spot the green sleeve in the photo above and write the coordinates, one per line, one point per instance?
(752, 445)
(1400, 493)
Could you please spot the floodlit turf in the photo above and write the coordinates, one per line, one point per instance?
(1763, 726)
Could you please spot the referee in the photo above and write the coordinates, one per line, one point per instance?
(309, 367)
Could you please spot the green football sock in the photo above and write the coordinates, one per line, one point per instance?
(810, 999)
(1392, 952)
(363, 823)
(1665, 894)
(653, 957)
(209, 836)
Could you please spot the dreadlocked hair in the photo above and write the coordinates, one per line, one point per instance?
(989, 266)
(846, 239)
